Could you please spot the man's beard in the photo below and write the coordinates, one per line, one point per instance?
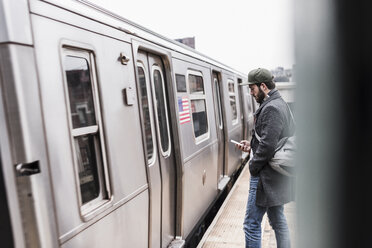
(260, 96)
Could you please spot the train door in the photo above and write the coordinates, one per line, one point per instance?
(220, 130)
(160, 153)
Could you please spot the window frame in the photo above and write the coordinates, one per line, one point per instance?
(236, 120)
(150, 162)
(158, 68)
(92, 208)
(193, 96)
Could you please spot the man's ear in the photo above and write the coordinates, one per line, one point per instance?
(264, 87)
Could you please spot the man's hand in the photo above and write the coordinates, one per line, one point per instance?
(244, 146)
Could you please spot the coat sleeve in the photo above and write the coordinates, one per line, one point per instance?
(272, 125)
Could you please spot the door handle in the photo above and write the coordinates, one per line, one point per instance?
(124, 59)
(27, 169)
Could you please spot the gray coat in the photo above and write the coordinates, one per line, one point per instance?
(272, 122)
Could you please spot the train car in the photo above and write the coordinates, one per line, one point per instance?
(111, 135)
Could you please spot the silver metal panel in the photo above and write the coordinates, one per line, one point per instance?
(20, 87)
(232, 131)
(124, 149)
(176, 172)
(154, 174)
(190, 148)
(198, 195)
(234, 155)
(181, 64)
(125, 227)
(47, 49)
(27, 208)
(166, 158)
(200, 159)
(179, 56)
(15, 22)
(26, 134)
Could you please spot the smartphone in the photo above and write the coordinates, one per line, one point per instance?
(235, 142)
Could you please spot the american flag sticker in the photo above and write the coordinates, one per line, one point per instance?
(184, 109)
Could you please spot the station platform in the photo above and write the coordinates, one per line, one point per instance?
(226, 230)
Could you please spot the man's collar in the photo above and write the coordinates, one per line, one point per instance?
(271, 92)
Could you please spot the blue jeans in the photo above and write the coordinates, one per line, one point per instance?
(253, 219)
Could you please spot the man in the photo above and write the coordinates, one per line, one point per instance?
(269, 190)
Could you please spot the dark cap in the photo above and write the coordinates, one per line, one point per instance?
(259, 75)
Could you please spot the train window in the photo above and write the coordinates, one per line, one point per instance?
(146, 114)
(85, 146)
(196, 84)
(217, 89)
(161, 110)
(86, 128)
(198, 105)
(199, 117)
(181, 83)
(80, 92)
(232, 99)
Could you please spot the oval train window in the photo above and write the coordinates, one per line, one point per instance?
(161, 111)
(146, 114)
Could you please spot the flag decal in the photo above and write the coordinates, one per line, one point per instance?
(184, 109)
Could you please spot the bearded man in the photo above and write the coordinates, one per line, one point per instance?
(269, 190)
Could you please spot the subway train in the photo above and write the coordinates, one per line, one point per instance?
(111, 135)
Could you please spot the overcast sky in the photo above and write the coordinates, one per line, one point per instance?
(243, 34)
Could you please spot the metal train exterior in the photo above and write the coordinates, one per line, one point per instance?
(111, 135)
